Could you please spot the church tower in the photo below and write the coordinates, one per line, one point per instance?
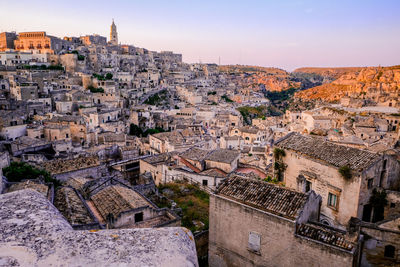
(113, 34)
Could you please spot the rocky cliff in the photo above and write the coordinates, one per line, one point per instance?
(273, 79)
(371, 84)
(328, 73)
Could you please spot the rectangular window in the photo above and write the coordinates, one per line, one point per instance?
(370, 183)
(332, 200)
(205, 182)
(308, 186)
(254, 243)
(138, 217)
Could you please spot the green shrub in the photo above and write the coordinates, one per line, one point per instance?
(227, 99)
(279, 153)
(109, 76)
(345, 171)
(95, 90)
(18, 171)
(378, 199)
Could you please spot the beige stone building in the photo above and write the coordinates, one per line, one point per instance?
(254, 223)
(119, 206)
(382, 243)
(7, 40)
(250, 135)
(310, 163)
(57, 132)
(25, 91)
(94, 39)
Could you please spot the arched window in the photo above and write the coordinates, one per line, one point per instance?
(389, 251)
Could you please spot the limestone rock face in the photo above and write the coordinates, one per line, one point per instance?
(273, 79)
(373, 84)
(34, 233)
(328, 73)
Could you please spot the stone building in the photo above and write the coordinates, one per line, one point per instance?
(254, 223)
(122, 207)
(381, 243)
(25, 91)
(156, 165)
(345, 177)
(57, 132)
(250, 135)
(7, 40)
(94, 39)
(64, 169)
(223, 159)
(178, 140)
(39, 42)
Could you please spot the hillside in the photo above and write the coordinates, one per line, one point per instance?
(251, 69)
(273, 79)
(332, 73)
(373, 84)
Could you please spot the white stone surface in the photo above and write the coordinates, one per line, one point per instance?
(34, 233)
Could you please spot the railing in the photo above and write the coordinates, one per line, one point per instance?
(193, 182)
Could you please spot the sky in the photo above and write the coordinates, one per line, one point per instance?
(270, 33)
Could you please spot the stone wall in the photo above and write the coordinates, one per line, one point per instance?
(95, 172)
(393, 206)
(393, 175)
(226, 167)
(156, 171)
(375, 240)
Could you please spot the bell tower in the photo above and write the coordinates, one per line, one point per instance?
(113, 34)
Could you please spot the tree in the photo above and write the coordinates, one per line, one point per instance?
(135, 130)
(109, 76)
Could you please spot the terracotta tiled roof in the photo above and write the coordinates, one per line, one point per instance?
(116, 199)
(262, 195)
(41, 188)
(67, 165)
(77, 182)
(328, 152)
(71, 206)
(214, 172)
(223, 155)
(194, 154)
(325, 235)
(159, 158)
